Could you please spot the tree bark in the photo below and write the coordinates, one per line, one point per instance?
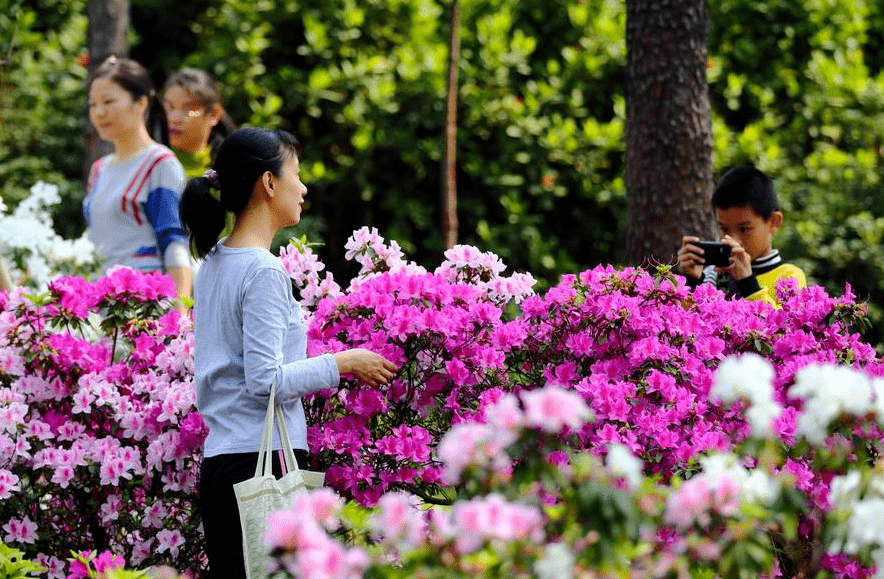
(669, 168)
(449, 162)
(108, 23)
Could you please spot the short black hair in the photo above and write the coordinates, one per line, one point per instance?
(746, 185)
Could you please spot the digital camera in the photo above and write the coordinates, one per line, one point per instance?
(715, 253)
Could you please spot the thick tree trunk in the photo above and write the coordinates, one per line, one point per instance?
(449, 162)
(669, 170)
(108, 23)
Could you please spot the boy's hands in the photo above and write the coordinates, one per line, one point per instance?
(690, 257)
(691, 262)
(741, 262)
(366, 366)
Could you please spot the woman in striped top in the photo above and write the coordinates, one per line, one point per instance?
(131, 203)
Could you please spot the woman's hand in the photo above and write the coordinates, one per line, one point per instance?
(366, 366)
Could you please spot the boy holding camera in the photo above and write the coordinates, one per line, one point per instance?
(744, 263)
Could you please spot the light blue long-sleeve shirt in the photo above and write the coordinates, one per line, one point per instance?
(248, 331)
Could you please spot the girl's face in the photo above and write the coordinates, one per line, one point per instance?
(190, 122)
(116, 115)
(291, 191)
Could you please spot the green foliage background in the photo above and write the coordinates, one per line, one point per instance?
(796, 88)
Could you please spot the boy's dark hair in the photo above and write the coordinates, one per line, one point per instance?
(746, 185)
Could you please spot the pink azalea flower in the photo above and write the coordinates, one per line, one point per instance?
(20, 531)
(552, 409)
(53, 565)
(107, 561)
(8, 483)
(398, 519)
(284, 529)
(78, 569)
(321, 505)
(63, 475)
(170, 541)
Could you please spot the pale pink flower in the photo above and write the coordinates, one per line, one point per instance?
(12, 362)
(169, 541)
(7, 449)
(20, 531)
(142, 551)
(690, 504)
(552, 409)
(314, 290)
(472, 444)
(82, 402)
(53, 565)
(328, 559)
(63, 475)
(110, 509)
(71, 431)
(12, 415)
(300, 263)
(8, 483)
(493, 517)
(398, 518)
(283, 528)
(321, 505)
(505, 413)
(154, 515)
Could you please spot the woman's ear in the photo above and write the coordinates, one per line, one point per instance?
(268, 180)
(215, 114)
(143, 102)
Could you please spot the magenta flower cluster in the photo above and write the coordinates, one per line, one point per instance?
(639, 348)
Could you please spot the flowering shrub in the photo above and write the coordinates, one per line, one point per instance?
(529, 505)
(550, 512)
(30, 248)
(445, 330)
(582, 429)
(99, 437)
(640, 348)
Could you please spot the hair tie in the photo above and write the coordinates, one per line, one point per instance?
(211, 175)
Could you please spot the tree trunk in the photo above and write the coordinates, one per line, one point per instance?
(108, 23)
(449, 164)
(669, 169)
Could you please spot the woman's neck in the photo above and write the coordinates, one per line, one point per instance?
(129, 146)
(252, 229)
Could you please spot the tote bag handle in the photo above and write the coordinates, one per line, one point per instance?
(265, 453)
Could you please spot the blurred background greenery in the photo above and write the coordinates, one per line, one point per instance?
(796, 88)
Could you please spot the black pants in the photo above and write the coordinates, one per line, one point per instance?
(220, 514)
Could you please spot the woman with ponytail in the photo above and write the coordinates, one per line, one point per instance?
(131, 202)
(248, 329)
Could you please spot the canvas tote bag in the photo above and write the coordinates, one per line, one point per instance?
(262, 494)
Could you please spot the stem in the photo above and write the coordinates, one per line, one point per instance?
(427, 498)
(114, 346)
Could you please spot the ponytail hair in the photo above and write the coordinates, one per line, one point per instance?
(134, 79)
(203, 216)
(242, 159)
